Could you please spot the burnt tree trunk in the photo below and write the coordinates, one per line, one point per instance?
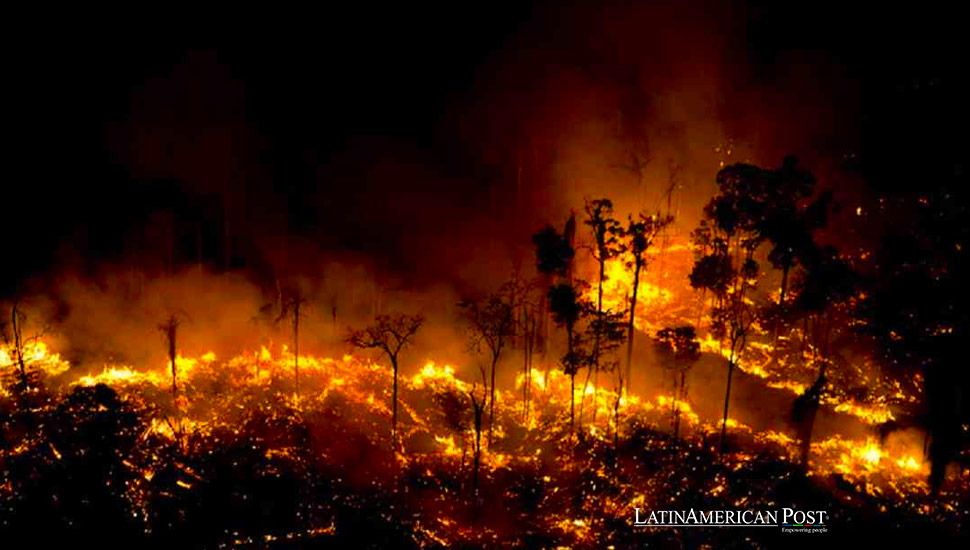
(631, 329)
(394, 398)
(491, 399)
(296, 344)
(727, 400)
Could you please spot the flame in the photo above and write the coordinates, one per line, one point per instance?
(364, 387)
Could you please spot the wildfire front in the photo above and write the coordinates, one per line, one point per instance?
(629, 275)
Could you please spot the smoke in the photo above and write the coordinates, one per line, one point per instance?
(561, 111)
(234, 198)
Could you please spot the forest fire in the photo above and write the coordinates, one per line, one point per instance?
(499, 276)
(460, 441)
(440, 436)
(216, 397)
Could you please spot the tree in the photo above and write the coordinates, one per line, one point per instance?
(753, 205)
(790, 228)
(454, 412)
(554, 254)
(554, 258)
(607, 233)
(520, 296)
(641, 234)
(17, 343)
(290, 305)
(566, 312)
(803, 412)
(492, 323)
(681, 344)
(390, 334)
(528, 328)
(917, 309)
(478, 407)
(731, 235)
(790, 232)
(607, 328)
(169, 329)
(611, 329)
(828, 282)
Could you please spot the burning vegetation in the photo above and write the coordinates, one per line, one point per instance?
(275, 447)
(511, 278)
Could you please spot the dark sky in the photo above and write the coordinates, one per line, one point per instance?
(385, 131)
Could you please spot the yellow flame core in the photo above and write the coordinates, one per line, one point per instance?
(600, 410)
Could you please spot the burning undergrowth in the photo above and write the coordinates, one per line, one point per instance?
(233, 456)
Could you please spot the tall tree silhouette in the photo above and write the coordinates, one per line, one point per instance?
(567, 311)
(391, 334)
(789, 228)
(607, 233)
(607, 244)
(553, 252)
(169, 329)
(828, 282)
(728, 270)
(292, 305)
(492, 324)
(641, 234)
(478, 409)
(554, 258)
(17, 343)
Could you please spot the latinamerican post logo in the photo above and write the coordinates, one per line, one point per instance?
(789, 520)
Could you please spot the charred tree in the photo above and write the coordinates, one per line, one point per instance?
(567, 310)
(554, 258)
(169, 329)
(825, 288)
(292, 305)
(607, 235)
(391, 334)
(478, 407)
(17, 343)
(641, 234)
(804, 410)
(492, 324)
(728, 270)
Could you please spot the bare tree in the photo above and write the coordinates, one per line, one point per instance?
(291, 305)
(528, 327)
(390, 334)
(492, 323)
(478, 407)
(169, 329)
(17, 342)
